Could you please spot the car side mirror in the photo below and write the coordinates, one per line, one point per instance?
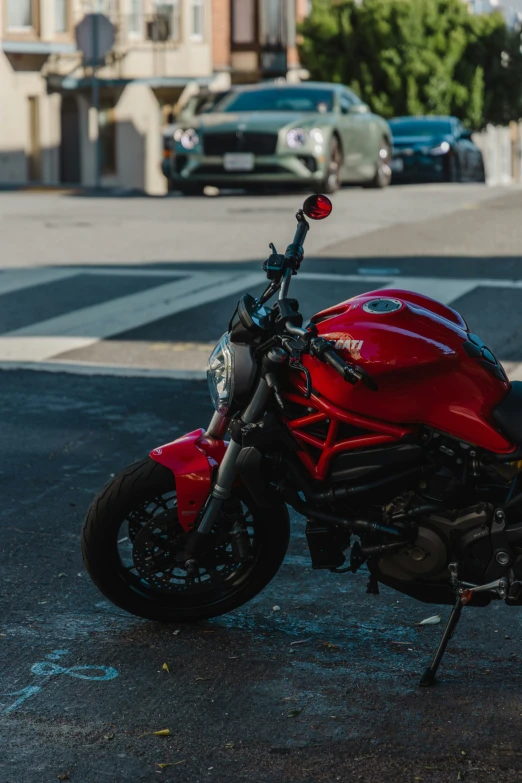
(466, 135)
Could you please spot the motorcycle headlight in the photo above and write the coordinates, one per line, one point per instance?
(296, 138)
(189, 139)
(441, 149)
(220, 375)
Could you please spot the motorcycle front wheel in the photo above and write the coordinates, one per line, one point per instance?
(132, 540)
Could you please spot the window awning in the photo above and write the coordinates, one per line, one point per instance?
(38, 47)
(60, 83)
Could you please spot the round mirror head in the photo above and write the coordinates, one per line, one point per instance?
(317, 207)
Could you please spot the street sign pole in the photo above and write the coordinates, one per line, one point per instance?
(96, 102)
(95, 37)
(96, 98)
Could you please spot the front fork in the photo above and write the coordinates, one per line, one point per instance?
(227, 470)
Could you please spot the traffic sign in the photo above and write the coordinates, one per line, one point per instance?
(95, 37)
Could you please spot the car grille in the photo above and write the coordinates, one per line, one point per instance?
(258, 143)
(260, 168)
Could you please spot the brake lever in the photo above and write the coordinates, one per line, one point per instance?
(296, 364)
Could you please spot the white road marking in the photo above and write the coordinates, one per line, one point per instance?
(86, 368)
(443, 290)
(17, 279)
(45, 339)
(39, 345)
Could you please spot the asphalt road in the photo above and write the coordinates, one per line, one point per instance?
(323, 689)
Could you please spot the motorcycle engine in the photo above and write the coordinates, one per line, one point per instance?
(426, 557)
(463, 536)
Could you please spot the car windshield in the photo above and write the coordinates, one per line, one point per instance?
(301, 99)
(420, 127)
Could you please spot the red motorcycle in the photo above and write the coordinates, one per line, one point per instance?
(384, 418)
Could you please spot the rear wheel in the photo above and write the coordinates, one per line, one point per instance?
(132, 546)
(453, 169)
(481, 172)
(383, 172)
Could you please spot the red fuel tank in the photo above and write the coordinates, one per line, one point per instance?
(429, 369)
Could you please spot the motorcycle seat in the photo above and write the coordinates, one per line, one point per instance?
(508, 413)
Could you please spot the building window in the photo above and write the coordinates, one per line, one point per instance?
(166, 24)
(20, 15)
(243, 21)
(197, 18)
(135, 18)
(107, 7)
(273, 23)
(60, 16)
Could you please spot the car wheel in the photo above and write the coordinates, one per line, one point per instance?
(453, 170)
(481, 172)
(383, 173)
(332, 181)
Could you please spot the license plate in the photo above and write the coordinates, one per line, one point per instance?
(238, 161)
(397, 164)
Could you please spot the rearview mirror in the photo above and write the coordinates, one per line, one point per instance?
(317, 207)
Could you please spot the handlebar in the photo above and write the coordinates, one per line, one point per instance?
(325, 352)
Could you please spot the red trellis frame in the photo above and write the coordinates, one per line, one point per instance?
(379, 432)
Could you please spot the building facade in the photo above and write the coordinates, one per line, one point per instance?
(256, 39)
(48, 128)
(161, 50)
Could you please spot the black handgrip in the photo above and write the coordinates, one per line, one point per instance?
(352, 373)
(344, 370)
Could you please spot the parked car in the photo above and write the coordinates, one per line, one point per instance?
(314, 135)
(199, 103)
(434, 148)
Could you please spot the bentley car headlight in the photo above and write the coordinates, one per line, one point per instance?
(296, 138)
(220, 375)
(317, 135)
(189, 139)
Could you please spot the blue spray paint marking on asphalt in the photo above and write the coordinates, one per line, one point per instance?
(25, 693)
(47, 669)
(56, 655)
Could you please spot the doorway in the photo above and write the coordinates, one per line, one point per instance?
(70, 168)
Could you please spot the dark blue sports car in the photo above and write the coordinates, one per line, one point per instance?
(434, 149)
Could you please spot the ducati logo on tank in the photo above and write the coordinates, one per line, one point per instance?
(352, 346)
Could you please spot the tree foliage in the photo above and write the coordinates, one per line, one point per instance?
(417, 57)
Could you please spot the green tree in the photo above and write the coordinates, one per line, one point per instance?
(416, 57)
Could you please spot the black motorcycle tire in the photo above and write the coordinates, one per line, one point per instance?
(139, 483)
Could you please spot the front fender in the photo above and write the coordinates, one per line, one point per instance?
(192, 459)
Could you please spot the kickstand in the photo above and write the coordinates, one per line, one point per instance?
(372, 587)
(428, 678)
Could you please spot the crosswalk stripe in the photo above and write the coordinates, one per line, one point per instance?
(443, 289)
(42, 343)
(17, 279)
(47, 339)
